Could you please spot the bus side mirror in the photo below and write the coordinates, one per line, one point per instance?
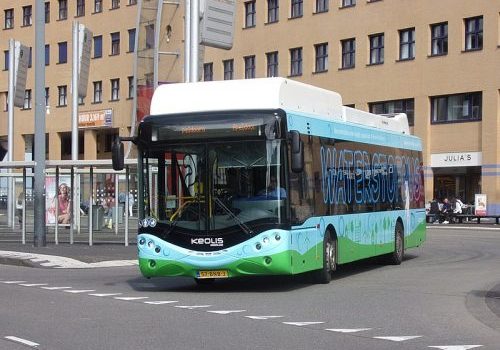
(117, 154)
(297, 153)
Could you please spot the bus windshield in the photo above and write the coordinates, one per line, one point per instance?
(210, 188)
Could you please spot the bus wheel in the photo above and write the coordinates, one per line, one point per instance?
(204, 281)
(396, 257)
(324, 275)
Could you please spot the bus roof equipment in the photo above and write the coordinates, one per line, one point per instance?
(267, 93)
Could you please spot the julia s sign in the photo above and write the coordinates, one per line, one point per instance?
(456, 159)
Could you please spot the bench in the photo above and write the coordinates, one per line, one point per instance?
(460, 217)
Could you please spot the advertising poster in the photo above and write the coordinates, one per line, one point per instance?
(480, 204)
(63, 193)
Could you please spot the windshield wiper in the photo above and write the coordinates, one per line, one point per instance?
(240, 223)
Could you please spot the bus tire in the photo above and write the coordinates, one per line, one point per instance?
(324, 275)
(396, 257)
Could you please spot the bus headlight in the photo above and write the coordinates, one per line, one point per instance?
(151, 244)
(142, 241)
(265, 240)
(152, 222)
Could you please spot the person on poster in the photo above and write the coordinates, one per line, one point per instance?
(64, 201)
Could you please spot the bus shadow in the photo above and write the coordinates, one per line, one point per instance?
(255, 284)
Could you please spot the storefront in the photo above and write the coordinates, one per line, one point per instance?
(456, 175)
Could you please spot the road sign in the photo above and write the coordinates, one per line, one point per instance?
(21, 60)
(84, 51)
(217, 23)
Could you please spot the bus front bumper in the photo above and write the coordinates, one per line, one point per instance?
(265, 254)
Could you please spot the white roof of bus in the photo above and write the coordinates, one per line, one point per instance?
(246, 94)
(266, 93)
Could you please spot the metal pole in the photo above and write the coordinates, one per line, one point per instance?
(187, 40)
(56, 230)
(74, 92)
(117, 182)
(23, 215)
(40, 235)
(10, 133)
(195, 25)
(72, 206)
(91, 205)
(127, 203)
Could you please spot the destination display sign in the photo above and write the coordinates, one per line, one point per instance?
(210, 129)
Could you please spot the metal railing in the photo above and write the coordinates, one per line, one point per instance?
(93, 189)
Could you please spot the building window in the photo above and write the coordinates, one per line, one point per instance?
(228, 69)
(130, 87)
(131, 40)
(474, 33)
(80, 8)
(63, 95)
(97, 6)
(63, 52)
(296, 61)
(396, 106)
(63, 9)
(47, 12)
(81, 100)
(115, 4)
(98, 46)
(456, 108)
(115, 43)
(47, 95)
(115, 89)
(249, 14)
(132, 2)
(26, 15)
(272, 11)
(97, 92)
(439, 41)
(322, 6)
(348, 3)
(5, 101)
(321, 57)
(297, 8)
(348, 53)
(249, 67)
(6, 57)
(30, 58)
(27, 99)
(208, 71)
(377, 49)
(150, 36)
(47, 54)
(272, 64)
(407, 44)
(9, 19)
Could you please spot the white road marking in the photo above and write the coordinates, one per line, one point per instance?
(76, 291)
(300, 324)
(22, 341)
(347, 330)
(104, 294)
(456, 347)
(33, 284)
(55, 288)
(130, 298)
(160, 302)
(192, 307)
(13, 282)
(226, 312)
(402, 338)
(262, 317)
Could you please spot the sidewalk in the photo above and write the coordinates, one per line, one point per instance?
(65, 255)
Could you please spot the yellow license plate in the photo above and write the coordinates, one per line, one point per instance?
(212, 274)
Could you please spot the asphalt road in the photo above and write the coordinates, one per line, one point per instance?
(445, 295)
